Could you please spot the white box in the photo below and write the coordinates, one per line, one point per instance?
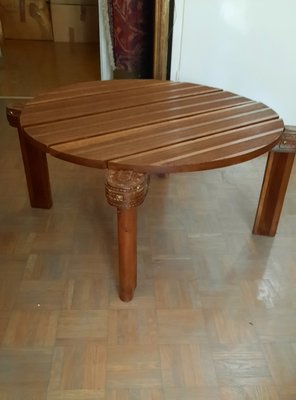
(75, 23)
(26, 19)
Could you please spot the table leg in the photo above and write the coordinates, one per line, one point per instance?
(126, 190)
(35, 164)
(36, 170)
(274, 186)
(127, 251)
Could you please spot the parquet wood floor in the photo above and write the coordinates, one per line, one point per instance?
(214, 316)
(30, 66)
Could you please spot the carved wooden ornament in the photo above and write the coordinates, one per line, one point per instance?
(126, 189)
(287, 143)
(13, 113)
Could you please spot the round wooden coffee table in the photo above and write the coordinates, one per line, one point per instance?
(132, 128)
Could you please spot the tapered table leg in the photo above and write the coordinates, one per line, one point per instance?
(36, 170)
(127, 251)
(126, 190)
(35, 164)
(275, 183)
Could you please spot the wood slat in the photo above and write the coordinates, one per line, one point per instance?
(98, 150)
(60, 110)
(93, 87)
(150, 125)
(207, 152)
(87, 127)
(109, 101)
(93, 94)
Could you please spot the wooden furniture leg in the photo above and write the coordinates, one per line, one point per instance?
(127, 251)
(163, 176)
(35, 163)
(275, 182)
(126, 190)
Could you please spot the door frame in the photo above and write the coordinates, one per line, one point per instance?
(162, 20)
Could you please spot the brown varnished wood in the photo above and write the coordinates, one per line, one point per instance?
(100, 89)
(162, 137)
(147, 117)
(240, 145)
(81, 89)
(140, 125)
(148, 126)
(126, 190)
(13, 114)
(35, 163)
(287, 144)
(161, 38)
(127, 251)
(137, 127)
(275, 182)
(68, 108)
(213, 316)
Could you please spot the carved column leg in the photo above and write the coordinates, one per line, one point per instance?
(275, 183)
(35, 164)
(126, 190)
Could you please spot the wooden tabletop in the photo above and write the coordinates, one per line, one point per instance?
(150, 125)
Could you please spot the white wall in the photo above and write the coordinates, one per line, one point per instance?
(245, 46)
